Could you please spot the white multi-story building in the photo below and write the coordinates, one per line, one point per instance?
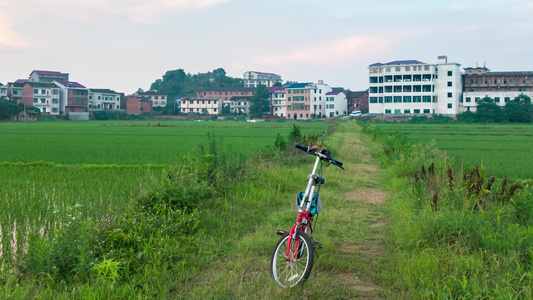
(44, 96)
(336, 104)
(410, 87)
(278, 101)
(318, 99)
(104, 99)
(201, 105)
(253, 78)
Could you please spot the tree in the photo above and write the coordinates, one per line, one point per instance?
(9, 109)
(277, 83)
(259, 103)
(519, 110)
(489, 111)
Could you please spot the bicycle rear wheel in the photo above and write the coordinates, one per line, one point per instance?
(288, 272)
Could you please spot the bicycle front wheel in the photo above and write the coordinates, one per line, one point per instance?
(295, 269)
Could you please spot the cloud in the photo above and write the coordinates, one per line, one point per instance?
(8, 36)
(343, 50)
(148, 11)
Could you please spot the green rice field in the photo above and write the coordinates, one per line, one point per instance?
(52, 172)
(503, 150)
(133, 143)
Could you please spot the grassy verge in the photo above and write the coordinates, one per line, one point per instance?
(454, 233)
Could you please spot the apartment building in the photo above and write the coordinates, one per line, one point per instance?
(225, 93)
(357, 100)
(202, 105)
(14, 90)
(480, 82)
(319, 91)
(105, 99)
(278, 101)
(253, 79)
(158, 99)
(336, 104)
(238, 104)
(47, 76)
(136, 105)
(411, 87)
(3, 91)
(74, 97)
(299, 100)
(44, 96)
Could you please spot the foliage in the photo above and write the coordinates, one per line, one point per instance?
(8, 109)
(177, 84)
(488, 111)
(519, 110)
(259, 103)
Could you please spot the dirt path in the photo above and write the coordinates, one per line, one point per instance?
(368, 200)
(350, 227)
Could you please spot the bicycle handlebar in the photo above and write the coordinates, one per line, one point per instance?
(324, 155)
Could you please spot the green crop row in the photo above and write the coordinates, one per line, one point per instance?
(503, 150)
(120, 143)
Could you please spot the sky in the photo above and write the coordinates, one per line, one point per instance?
(125, 45)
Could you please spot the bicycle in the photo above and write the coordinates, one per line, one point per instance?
(293, 256)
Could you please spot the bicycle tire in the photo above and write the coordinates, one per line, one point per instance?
(295, 271)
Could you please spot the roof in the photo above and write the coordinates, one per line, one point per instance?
(151, 92)
(501, 74)
(356, 94)
(41, 84)
(74, 84)
(228, 89)
(275, 88)
(398, 62)
(234, 98)
(299, 85)
(337, 92)
(264, 73)
(48, 73)
(103, 91)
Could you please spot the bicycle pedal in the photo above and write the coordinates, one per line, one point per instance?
(281, 232)
(317, 245)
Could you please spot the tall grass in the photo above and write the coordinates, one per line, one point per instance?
(456, 233)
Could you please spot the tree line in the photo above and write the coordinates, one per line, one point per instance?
(517, 110)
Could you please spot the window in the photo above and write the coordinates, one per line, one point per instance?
(449, 105)
(387, 111)
(35, 100)
(43, 92)
(450, 73)
(426, 99)
(477, 99)
(388, 99)
(468, 99)
(417, 99)
(449, 95)
(416, 111)
(397, 111)
(449, 83)
(397, 99)
(426, 111)
(380, 99)
(497, 99)
(407, 99)
(507, 99)
(406, 111)
(373, 99)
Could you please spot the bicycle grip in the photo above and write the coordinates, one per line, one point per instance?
(301, 147)
(336, 162)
